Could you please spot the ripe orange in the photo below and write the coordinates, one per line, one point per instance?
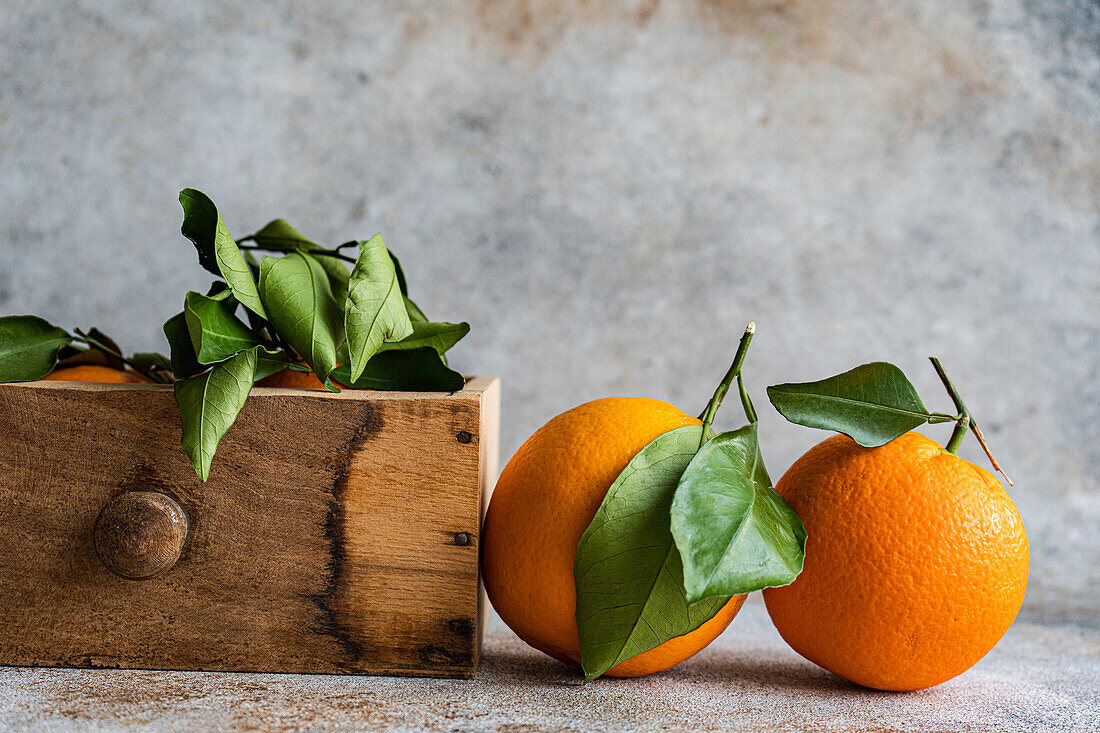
(544, 500)
(916, 562)
(291, 378)
(95, 373)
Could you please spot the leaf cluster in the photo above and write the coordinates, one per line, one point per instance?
(694, 519)
(299, 307)
(31, 348)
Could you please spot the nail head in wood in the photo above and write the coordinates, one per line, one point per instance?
(140, 534)
(464, 437)
(462, 538)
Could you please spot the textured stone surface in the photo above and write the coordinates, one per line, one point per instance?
(608, 192)
(1040, 678)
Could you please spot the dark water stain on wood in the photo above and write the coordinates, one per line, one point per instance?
(330, 623)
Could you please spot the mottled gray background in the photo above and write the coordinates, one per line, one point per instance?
(608, 192)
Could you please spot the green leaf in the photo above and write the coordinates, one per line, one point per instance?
(184, 361)
(210, 402)
(439, 336)
(374, 311)
(735, 534)
(301, 307)
(218, 253)
(105, 345)
(220, 291)
(872, 404)
(415, 314)
(104, 340)
(338, 275)
(152, 365)
(412, 370)
(29, 347)
(400, 273)
(630, 591)
(280, 236)
(267, 365)
(216, 334)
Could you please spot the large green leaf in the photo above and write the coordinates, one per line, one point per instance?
(218, 253)
(630, 591)
(29, 348)
(410, 370)
(184, 361)
(439, 336)
(735, 534)
(375, 310)
(301, 307)
(872, 404)
(216, 334)
(210, 402)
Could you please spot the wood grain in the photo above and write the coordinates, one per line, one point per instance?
(324, 540)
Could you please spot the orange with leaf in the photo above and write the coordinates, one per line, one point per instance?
(623, 535)
(917, 560)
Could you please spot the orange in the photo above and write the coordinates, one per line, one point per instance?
(95, 373)
(296, 380)
(545, 498)
(916, 562)
(291, 378)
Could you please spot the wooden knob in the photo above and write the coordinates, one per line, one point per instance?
(140, 534)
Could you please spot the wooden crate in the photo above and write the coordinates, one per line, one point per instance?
(338, 533)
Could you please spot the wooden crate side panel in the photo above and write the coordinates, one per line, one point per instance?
(489, 456)
(262, 582)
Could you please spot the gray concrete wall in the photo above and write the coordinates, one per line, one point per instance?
(608, 194)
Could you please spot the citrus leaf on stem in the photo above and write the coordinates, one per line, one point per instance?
(270, 363)
(439, 336)
(375, 310)
(279, 236)
(302, 309)
(210, 402)
(735, 534)
(152, 365)
(216, 334)
(184, 361)
(338, 275)
(99, 342)
(29, 347)
(630, 590)
(218, 253)
(104, 340)
(872, 404)
(408, 370)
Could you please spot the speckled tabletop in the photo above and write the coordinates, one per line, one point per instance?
(1043, 676)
